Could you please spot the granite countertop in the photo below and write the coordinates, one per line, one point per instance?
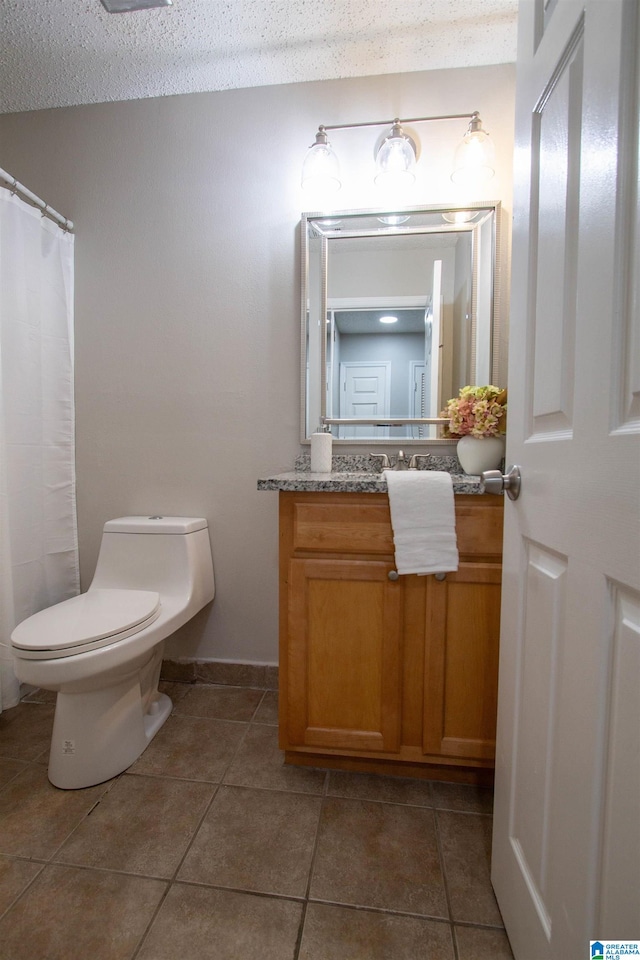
(354, 474)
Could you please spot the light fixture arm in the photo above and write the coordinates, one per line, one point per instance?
(474, 118)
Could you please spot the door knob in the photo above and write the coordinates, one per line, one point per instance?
(496, 482)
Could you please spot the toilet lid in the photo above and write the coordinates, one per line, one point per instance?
(86, 619)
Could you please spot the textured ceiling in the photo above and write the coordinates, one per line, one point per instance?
(65, 52)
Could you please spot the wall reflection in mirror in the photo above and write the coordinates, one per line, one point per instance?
(398, 312)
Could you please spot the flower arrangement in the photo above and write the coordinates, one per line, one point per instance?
(476, 412)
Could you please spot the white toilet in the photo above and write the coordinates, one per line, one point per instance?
(102, 651)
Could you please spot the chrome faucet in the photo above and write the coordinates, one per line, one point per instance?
(400, 462)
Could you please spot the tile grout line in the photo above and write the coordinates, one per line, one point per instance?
(445, 883)
(210, 804)
(257, 707)
(383, 911)
(22, 893)
(303, 918)
(51, 859)
(261, 894)
(27, 764)
(316, 839)
(174, 878)
(146, 930)
(474, 925)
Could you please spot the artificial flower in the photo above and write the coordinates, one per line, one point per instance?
(476, 412)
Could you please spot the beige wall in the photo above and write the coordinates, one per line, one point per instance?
(187, 299)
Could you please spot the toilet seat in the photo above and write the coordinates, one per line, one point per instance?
(86, 622)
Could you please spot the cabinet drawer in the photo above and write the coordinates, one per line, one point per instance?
(345, 528)
(352, 524)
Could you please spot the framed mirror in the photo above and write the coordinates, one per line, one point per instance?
(399, 310)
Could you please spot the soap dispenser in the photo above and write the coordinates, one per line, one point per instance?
(321, 442)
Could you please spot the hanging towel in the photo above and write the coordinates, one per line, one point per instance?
(423, 520)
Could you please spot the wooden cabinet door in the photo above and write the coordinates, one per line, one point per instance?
(344, 655)
(461, 662)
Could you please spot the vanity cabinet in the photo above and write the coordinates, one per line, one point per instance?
(382, 672)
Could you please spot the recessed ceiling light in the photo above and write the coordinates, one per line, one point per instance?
(129, 6)
(388, 319)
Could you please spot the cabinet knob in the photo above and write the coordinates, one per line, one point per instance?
(393, 574)
(440, 576)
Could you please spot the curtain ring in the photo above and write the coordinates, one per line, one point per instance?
(14, 187)
(43, 212)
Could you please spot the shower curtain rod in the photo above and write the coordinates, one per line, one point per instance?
(6, 180)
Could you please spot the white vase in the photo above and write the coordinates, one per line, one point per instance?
(477, 454)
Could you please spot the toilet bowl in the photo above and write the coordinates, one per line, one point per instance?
(101, 652)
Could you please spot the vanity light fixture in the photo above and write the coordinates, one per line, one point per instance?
(397, 153)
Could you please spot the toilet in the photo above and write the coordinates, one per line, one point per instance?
(101, 652)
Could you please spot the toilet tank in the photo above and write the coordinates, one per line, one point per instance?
(171, 555)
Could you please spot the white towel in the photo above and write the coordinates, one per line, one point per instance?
(423, 520)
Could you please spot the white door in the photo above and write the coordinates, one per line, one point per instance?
(364, 393)
(566, 855)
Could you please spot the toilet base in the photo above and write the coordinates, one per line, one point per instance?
(99, 734)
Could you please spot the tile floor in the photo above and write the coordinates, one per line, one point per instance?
(209, 848)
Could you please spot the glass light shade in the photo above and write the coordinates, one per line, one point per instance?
(474, 161)
(395, 163)
(321, 170)
(460, 216)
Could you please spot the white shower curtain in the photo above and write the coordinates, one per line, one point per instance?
(38, 534)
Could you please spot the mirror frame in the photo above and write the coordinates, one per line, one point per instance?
(493, 206)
